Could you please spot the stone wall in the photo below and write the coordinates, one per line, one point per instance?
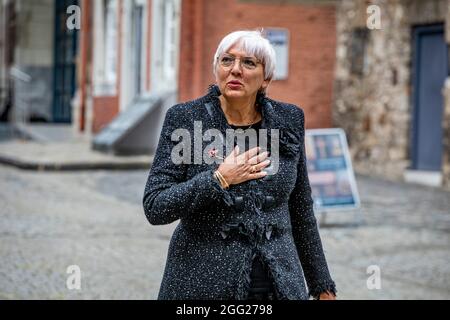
(372, 82)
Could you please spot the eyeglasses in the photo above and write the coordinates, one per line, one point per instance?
(227, 61)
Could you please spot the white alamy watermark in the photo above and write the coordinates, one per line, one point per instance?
(374, 19)
(74, 20)
(73, 281)
(374, 280)
(214, 152)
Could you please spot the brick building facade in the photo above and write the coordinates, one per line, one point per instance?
(126, 49)
(175, 43)
(388, 89)
(312, 41)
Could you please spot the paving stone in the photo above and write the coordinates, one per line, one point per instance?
(51, 220)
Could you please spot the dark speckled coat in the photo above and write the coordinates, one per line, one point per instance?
(220, 231)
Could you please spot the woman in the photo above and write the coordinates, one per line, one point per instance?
(247, 228)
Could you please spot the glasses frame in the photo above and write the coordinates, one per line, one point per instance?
(240, 61)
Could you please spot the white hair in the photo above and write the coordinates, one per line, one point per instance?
(253, 43)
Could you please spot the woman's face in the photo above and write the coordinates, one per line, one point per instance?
(241, 79)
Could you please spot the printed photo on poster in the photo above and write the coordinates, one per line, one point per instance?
(330, 170)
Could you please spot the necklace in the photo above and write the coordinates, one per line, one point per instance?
(251, 125)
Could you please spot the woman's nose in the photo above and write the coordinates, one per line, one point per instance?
(236, 69)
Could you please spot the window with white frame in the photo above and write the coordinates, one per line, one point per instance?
(105, 47)
(165, 43)
(138, 30)
(111, 33)
(133, 76)
(169, 43)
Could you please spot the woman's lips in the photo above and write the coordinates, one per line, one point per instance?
(234, 85)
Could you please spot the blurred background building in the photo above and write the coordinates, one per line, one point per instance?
(37, 59)
(386, 87)
(391, 88)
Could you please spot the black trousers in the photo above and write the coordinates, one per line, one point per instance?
(261, 285)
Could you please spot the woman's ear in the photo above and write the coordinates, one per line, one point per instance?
(264, 85)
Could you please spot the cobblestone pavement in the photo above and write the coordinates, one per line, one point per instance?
(49, 221)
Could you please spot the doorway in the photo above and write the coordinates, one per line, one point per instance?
(64, 83)
(430, 68)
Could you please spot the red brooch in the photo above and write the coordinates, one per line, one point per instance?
(213, 153)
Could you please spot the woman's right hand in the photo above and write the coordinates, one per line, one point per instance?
(237, 168)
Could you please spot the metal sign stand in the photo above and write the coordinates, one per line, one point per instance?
(357, 221)
(323, 216)
(359, 217)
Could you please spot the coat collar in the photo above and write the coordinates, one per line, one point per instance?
(270, 120)
(290, 139)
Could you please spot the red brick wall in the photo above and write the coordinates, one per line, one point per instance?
(191, 50)
(311, 51)
(105, 109)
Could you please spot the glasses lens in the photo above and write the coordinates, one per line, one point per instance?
(249, 63)
(227, 61)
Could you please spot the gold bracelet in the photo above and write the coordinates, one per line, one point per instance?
(217, 178)
(221, 179)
